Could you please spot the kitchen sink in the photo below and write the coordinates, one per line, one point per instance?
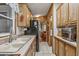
(14, 46)
(17, 45)
(11, 47)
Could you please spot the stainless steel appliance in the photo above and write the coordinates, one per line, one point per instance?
(33, 30)
(69, 33)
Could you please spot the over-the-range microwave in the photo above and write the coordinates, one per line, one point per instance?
(69, 33)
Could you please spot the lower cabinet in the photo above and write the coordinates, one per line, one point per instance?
(56, 47)
(29, 53)
(64, 49)
(61, 48)
(70, 51)
(32, 49)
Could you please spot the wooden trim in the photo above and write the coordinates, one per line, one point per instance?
(77, 52)
(66, 41)
(50, 10)
(59, 6)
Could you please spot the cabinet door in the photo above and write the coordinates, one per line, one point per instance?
(59, 17)
(64, 14)
(19, 20)
(70, 51)
(61, 48)
(73, 12)
(28, 17)
(56, 47)
(22, 15)
(29, 52)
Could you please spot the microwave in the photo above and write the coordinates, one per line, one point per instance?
(69, 33)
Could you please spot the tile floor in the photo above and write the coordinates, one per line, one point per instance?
(44, 50)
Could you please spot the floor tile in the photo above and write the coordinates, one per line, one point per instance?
(45, 50)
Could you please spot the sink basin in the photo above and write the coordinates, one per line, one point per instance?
(4, 47)
(17, 45)
(24, 39)
(11, 47)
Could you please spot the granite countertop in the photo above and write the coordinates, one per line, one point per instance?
(22, 51)
(4, 34)
(66, 41)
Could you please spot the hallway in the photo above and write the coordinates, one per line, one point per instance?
(45, 50)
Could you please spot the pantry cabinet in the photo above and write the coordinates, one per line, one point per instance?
(24, 16)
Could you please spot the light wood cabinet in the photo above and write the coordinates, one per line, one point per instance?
(73, 12)
(61, 48)
(70, 51)
(21, 20)
(59, 17)
(24, 16)
(32, 49)
(67, 14)
(56, 47)
(64, 14)
(29, 15)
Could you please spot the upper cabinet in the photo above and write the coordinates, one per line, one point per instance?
(73, 13)
(24, 16)
(59, 17)
(67, 14)
(64, 14)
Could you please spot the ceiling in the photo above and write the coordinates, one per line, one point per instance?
(39, 9)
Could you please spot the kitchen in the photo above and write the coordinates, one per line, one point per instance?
(39, 29)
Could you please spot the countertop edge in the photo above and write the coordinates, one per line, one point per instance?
(24, 50)
(66, 41)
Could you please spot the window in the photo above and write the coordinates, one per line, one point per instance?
(5, 22)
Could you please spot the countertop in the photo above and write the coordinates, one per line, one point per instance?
(24, 49)
(4, 34)
(66, 41)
